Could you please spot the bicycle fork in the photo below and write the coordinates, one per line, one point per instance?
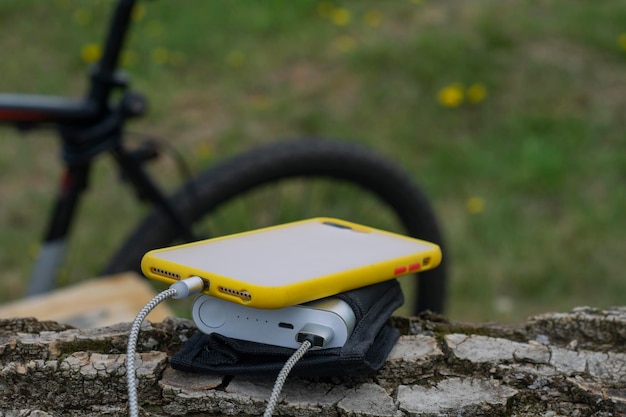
(73, 183)
(52, 251)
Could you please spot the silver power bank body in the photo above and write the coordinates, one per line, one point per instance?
(330, 320)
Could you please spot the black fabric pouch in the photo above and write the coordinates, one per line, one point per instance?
(364, 352)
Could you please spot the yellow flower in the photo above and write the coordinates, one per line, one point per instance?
(235, 59)
(91, 53)
(476, 93)
(128, 59)
(160, 55)
(63, 276)
(261, 102)
(62, 4)
(33, 251)
(82, 16)
(451, 96)
(340, 16)
(373, 18)
(345, 43)
(139, 11)
(475, 205)
(324, 8)
(205, 150)
(621, 40)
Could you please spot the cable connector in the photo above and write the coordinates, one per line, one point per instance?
(311, 335)
(180, 289)
(317, 334)
(188, 287)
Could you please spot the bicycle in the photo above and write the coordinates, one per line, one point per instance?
(331, 174)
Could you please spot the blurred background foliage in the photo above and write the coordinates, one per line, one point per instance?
(510, 114)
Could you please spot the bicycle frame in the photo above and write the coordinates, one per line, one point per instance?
(88, 127)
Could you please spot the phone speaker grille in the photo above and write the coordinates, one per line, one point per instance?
(243, 294)
(165, 273)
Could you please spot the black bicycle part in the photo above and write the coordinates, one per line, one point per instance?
(30, 110)
(340, 162)
(105, 78)
(73, 183)
(146, 189)
(88, 127)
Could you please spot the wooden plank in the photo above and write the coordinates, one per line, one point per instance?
(94, 303)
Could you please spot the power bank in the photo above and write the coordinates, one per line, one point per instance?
(329, 321)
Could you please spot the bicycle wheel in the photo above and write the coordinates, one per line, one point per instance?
(294, 180)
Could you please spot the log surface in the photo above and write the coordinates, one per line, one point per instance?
(566, 364)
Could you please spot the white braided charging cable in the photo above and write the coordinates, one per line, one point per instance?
(180, 289)
(282, 377)
(131, 379)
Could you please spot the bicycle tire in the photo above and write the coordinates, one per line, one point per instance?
(341, 163)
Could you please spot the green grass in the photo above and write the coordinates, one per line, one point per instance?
(528, 182)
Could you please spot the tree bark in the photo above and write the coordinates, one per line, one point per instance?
(567, 364)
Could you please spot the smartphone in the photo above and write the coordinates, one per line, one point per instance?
(293, 263)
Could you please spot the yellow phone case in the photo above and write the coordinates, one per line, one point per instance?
(293, 263)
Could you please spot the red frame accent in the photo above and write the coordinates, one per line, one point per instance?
(22, 115)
